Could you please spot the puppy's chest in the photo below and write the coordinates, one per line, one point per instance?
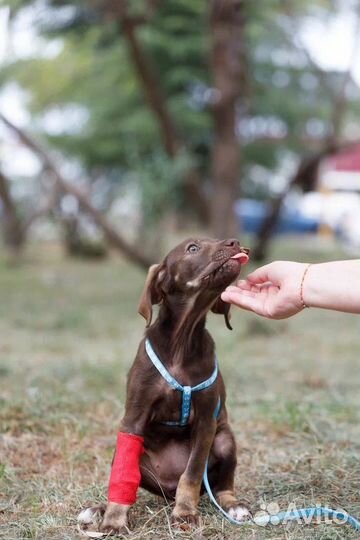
(181, 389)
(167, 409)
(168, 405)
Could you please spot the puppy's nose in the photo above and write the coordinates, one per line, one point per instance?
(232, 242)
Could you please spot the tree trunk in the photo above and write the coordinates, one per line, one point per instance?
(151, 87)
(13, 230)
(154, 95)
(229, 72)
(79, 245)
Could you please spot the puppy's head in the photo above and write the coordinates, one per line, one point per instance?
(197, 271)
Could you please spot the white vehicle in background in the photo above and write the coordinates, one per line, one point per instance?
(339, 187)
(350, 234)
(337, 212)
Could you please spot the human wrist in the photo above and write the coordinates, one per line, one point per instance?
(319, 288)
(310, 287)
(326, 286)
(333, 285)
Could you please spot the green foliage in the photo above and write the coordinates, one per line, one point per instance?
(160, 182)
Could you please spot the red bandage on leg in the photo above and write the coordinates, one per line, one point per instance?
(125, 474)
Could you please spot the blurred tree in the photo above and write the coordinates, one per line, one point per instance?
(229, 68)
(95, 75)
(342, 101)
(188, 81)
(61, 184)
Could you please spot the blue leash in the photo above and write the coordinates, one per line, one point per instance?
(292, 515)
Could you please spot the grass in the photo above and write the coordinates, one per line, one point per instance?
(69, 333)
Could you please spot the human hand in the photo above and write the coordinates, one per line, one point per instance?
(272, 291)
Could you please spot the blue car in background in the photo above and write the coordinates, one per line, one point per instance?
(251, 214)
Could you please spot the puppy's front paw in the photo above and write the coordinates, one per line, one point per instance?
(89, 520)
(184, 517)
(239, 512)
(115, 519)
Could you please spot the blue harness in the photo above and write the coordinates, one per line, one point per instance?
(186, 390)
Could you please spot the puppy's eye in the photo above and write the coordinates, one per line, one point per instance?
(193, 248)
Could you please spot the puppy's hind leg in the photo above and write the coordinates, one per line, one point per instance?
(224, 452)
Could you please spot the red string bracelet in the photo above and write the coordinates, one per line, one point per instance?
(303, 305)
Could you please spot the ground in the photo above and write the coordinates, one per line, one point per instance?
(69, 331)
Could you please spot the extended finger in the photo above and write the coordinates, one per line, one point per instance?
(244, 299)
(236, 290)
(263, 274)
(244, 285)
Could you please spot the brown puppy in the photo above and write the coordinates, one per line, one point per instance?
(187, 284)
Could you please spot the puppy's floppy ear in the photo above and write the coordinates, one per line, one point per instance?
(152, 293)
(222, 308)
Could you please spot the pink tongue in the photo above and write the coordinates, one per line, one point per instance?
(242, 257)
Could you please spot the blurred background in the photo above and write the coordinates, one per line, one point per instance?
(127, 122)
(126, 126)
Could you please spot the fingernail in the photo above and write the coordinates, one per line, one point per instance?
(224, 296)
